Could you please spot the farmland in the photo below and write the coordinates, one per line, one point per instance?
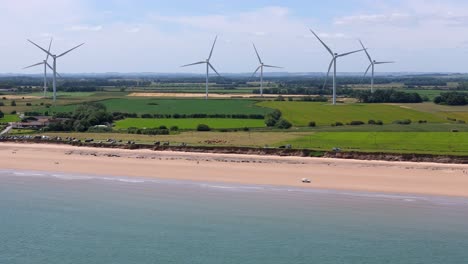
(397, 142)
(192, 123)
(9, 118)
(301, 113)
(174, 106)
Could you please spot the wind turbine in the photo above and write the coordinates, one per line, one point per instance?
(333, 63)
(54, 68)
(262, 65)
(208, 66)
(372, 64)
(46, 64)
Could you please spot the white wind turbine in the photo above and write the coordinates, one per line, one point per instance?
(333, 63)
(372, 65)
(208, 66)
(46, 64)
(260, 67)
(54, 67)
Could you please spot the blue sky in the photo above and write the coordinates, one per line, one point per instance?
(159, 36)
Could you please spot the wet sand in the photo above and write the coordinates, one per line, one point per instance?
(353, 175)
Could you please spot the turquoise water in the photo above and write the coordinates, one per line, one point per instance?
(55, 218)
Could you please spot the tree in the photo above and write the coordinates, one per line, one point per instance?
(203, 127)
(13, 103)
(283, 124)
(1, 114)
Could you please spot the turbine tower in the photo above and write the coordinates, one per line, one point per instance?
(372, 65)
(46, 64)
(54, 67)
(208, 66)
(260, 67)
(333, 63)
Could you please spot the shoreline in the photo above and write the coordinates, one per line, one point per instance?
(325, 173)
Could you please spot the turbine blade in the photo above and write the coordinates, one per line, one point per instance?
(196, 63)
(328, 73)
(255, 72)
(211, 66)
(365, 74)
(66, 52)
(271, 66)
(212, 48)
(365, 50)
(384, 62)
(34, 65)
(50, 67)
(349, 53)
(48, 51)
(258, 56)
(323, 43)
(40, 47)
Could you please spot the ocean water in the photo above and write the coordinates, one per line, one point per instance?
(48, 218)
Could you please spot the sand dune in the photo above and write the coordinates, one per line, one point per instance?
(373, 176)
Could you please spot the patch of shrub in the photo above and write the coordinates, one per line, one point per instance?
(147, 116)
(403, 122)
(2, 104)
(461, 122)
(356, 123)
(312, 124)
(98, 129)
(283, 124)
(162, 127)
(337, 124)
(28, 104)
(13, 112)
(174, 128)
(13, 103)
(422, 121)
(2, 114)
(203, 128)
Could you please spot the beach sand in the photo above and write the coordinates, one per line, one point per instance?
(335, 174)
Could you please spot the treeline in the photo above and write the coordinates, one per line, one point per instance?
(452, 98)
(387, 96)
(85, 117)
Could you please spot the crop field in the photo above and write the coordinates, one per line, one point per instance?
(62, 94)
(395, 142)
(192, 123)
(9, 118)
(176, 106)
(301, 113)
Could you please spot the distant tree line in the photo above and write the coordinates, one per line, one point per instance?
(387, 96)
(452, 98)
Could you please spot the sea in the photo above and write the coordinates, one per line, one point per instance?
(55, 218)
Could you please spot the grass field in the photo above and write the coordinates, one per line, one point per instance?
(301, 113)
(176, 106)
(250, 139)
(397, 142)
(216, 123)
(9, 118)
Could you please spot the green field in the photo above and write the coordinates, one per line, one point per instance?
(175, 106)
(9, 118)
(396, 142)
(216, 123)
(301, 113)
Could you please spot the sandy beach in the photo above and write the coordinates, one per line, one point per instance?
(353, 175)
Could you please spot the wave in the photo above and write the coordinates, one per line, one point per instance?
(241, 188)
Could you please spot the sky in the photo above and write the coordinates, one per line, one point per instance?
(158, 36)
